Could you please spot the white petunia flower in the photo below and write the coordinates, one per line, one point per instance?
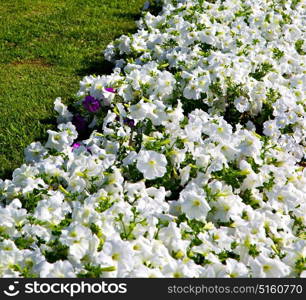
(34, 152)
(151, 164)
(64, 114)
(263, 266)
(60, 269)
(193, 203)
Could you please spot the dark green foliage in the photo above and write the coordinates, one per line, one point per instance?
(267, 110)
(57, 229)
(262, 71)
(127, 229)
(277, 54)
(224, 255)
(29, 200)
(253, 250)
(300, 265)
(249, 199)
(294, 3)
(94, 271)
(231, 176)
(58, 252)
(253, 164)
(298, 46)
(23, 242)
(287, 129)
(104, 204)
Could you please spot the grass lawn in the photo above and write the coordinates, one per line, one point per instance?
(46, 47)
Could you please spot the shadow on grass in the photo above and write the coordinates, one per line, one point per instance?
(96, 66)
(6, 173)
(49, 121)
(128, 16)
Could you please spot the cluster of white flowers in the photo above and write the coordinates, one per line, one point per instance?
(187, 161)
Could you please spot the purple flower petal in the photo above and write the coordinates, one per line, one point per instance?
(111, 90)
(76, 146)
(91, 104)
(129, 122)
(79, 122)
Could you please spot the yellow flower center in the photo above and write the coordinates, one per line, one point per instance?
(196, 202)
(266, 268)
(152, 162)
(116, 256)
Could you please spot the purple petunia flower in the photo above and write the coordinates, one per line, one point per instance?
(79, 122)
(91, 104)
(76, 146)
(129, 122)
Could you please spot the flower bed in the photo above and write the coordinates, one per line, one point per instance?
(187, 161)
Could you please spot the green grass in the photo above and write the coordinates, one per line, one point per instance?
(46, 47)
